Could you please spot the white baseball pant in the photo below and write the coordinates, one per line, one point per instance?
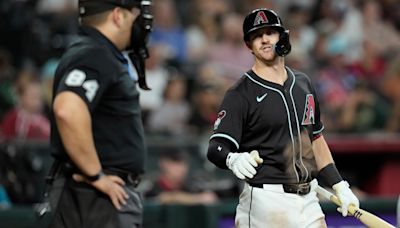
(270, 207)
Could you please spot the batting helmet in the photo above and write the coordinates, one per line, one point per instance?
(262, 18)
(90, 7)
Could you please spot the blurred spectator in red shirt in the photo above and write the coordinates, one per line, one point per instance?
(371, 67)
(26, 120)
(174, 185)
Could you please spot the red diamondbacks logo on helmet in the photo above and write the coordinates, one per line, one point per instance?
(261, 18)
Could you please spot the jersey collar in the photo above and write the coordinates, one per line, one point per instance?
(288, 83)
(98, 36)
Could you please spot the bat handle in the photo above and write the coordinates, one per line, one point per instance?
(256, 157)
(328, 195)
(351, 209)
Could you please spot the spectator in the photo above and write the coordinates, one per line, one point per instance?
(173, 186)
(156, 77)
(341, 22)
(229, 52)
(302, 37)
(205, 101)
(391, 89)
(171, 117)
(27, 121)
(371, 67)
(4, 200)
(334, 83)
(382, 34)
(168, 31)
(363, 110)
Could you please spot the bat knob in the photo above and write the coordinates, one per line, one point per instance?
(254, 154)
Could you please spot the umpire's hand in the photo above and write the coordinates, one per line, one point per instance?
(110, 185)
(242, 164)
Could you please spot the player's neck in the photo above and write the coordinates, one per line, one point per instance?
(274, 72)
(111, 35)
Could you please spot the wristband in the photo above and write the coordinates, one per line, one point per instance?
(329, 175)
(95, 177)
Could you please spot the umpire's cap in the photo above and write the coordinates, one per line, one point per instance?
(261, 18)
(90, 7)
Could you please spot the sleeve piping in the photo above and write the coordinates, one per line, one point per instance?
(226, 137)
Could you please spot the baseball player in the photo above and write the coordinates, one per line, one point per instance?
(269, 133)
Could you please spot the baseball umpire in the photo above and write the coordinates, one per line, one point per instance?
(269, 133)
(97, 134)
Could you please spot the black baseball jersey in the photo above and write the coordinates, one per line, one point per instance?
(278, 121)
(95, 70)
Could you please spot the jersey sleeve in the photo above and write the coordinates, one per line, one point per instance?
(87, 80)
(231, 117)
(318, 127)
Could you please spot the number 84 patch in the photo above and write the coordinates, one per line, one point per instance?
(76, 78)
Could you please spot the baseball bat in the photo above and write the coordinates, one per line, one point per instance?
(256, 156)
(365, 217)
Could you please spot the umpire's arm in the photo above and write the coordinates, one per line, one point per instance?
(74, 125)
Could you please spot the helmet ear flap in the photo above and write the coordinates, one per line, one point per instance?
(283, 47)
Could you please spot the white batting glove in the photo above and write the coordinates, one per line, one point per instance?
(346, 196)
(242, 164)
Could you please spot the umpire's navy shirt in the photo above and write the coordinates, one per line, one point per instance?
(280, 121)
(94, 69)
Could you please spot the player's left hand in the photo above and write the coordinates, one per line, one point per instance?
(346, 196)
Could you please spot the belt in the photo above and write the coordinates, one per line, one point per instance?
(299, 188)
(128, 177)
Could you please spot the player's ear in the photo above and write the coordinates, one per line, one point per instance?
(117, 16)
(249, 46)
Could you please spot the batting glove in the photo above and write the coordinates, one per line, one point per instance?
(242, 164)
(346, 196)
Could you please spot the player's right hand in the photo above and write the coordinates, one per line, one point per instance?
(242, 164)
(346, 196)
(111, 185)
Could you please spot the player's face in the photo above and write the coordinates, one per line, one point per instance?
(263, 44)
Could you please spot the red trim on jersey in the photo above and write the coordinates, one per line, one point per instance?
(316, 136)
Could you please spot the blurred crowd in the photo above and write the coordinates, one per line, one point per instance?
(349, 48)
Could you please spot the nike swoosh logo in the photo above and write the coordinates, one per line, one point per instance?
(259, 99)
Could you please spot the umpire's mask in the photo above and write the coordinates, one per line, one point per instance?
(141, 29)
(261, 18)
